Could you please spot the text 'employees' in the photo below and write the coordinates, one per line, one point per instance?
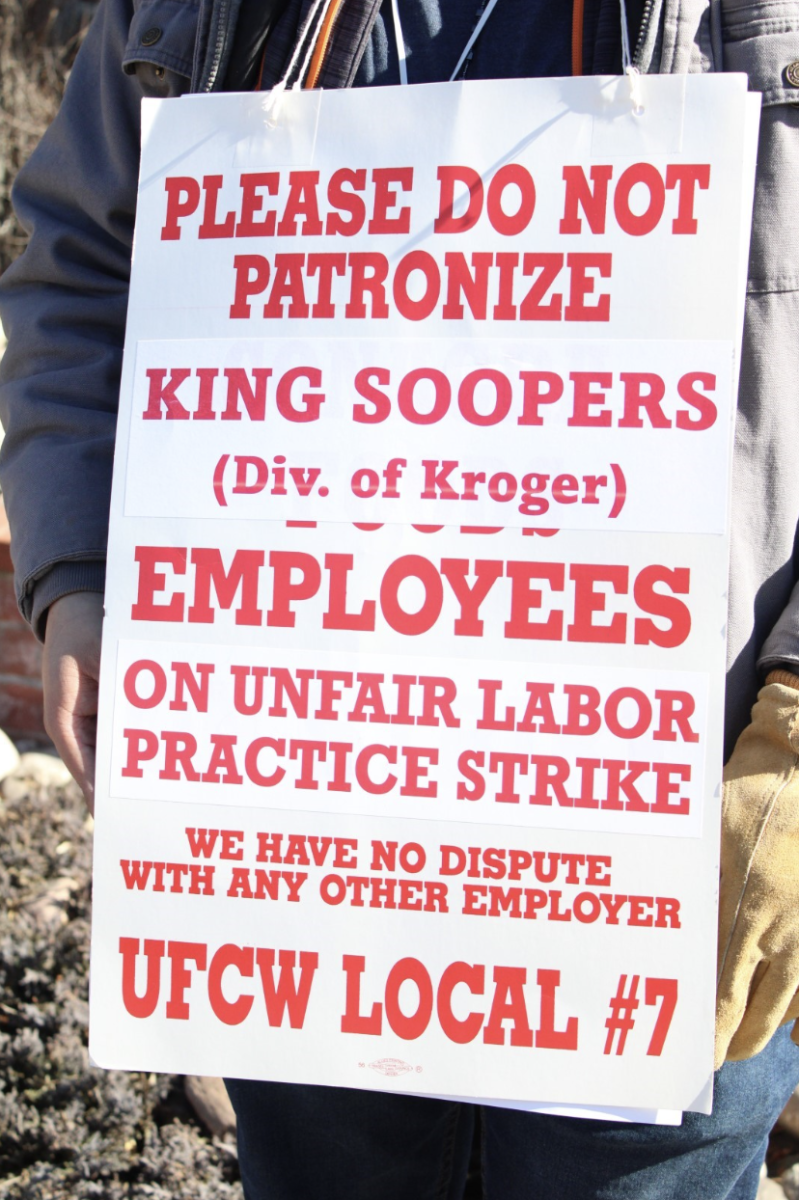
(578, 599)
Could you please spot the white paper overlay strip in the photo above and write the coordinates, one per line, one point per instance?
(611, 750)
(613, 435)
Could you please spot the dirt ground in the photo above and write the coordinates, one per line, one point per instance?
(68, 1129)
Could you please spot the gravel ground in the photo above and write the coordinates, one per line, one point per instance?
(68, 1129)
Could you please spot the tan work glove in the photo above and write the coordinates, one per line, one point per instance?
(758, 955)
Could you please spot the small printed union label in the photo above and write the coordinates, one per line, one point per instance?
(390, 1067)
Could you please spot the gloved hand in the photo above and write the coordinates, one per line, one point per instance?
(758, 954)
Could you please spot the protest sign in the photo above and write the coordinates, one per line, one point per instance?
(410, 737)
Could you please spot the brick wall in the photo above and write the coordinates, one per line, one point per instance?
(20, 656)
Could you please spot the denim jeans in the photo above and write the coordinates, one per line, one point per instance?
(315, 1143)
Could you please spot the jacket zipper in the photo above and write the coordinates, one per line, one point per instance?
(646, 19)
(578, 23)
(218, 34)
(322, 44)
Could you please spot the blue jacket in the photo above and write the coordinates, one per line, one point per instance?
(63, 302)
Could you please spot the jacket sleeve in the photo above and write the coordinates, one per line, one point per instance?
(764, 597)
(63, 306)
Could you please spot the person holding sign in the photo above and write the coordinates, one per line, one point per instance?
(64, 308)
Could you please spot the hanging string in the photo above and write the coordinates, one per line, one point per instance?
(628, 67)
(478, 29)
(275, 97)
(326, 6)
(322, 43)
(398, 38)
(306, 62)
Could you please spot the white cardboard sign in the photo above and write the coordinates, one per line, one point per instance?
(410, 734)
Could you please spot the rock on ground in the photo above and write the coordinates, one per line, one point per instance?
(9, 758)
(34, 772)
(210, 1101)
(69, 1131)
(790, 1182)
